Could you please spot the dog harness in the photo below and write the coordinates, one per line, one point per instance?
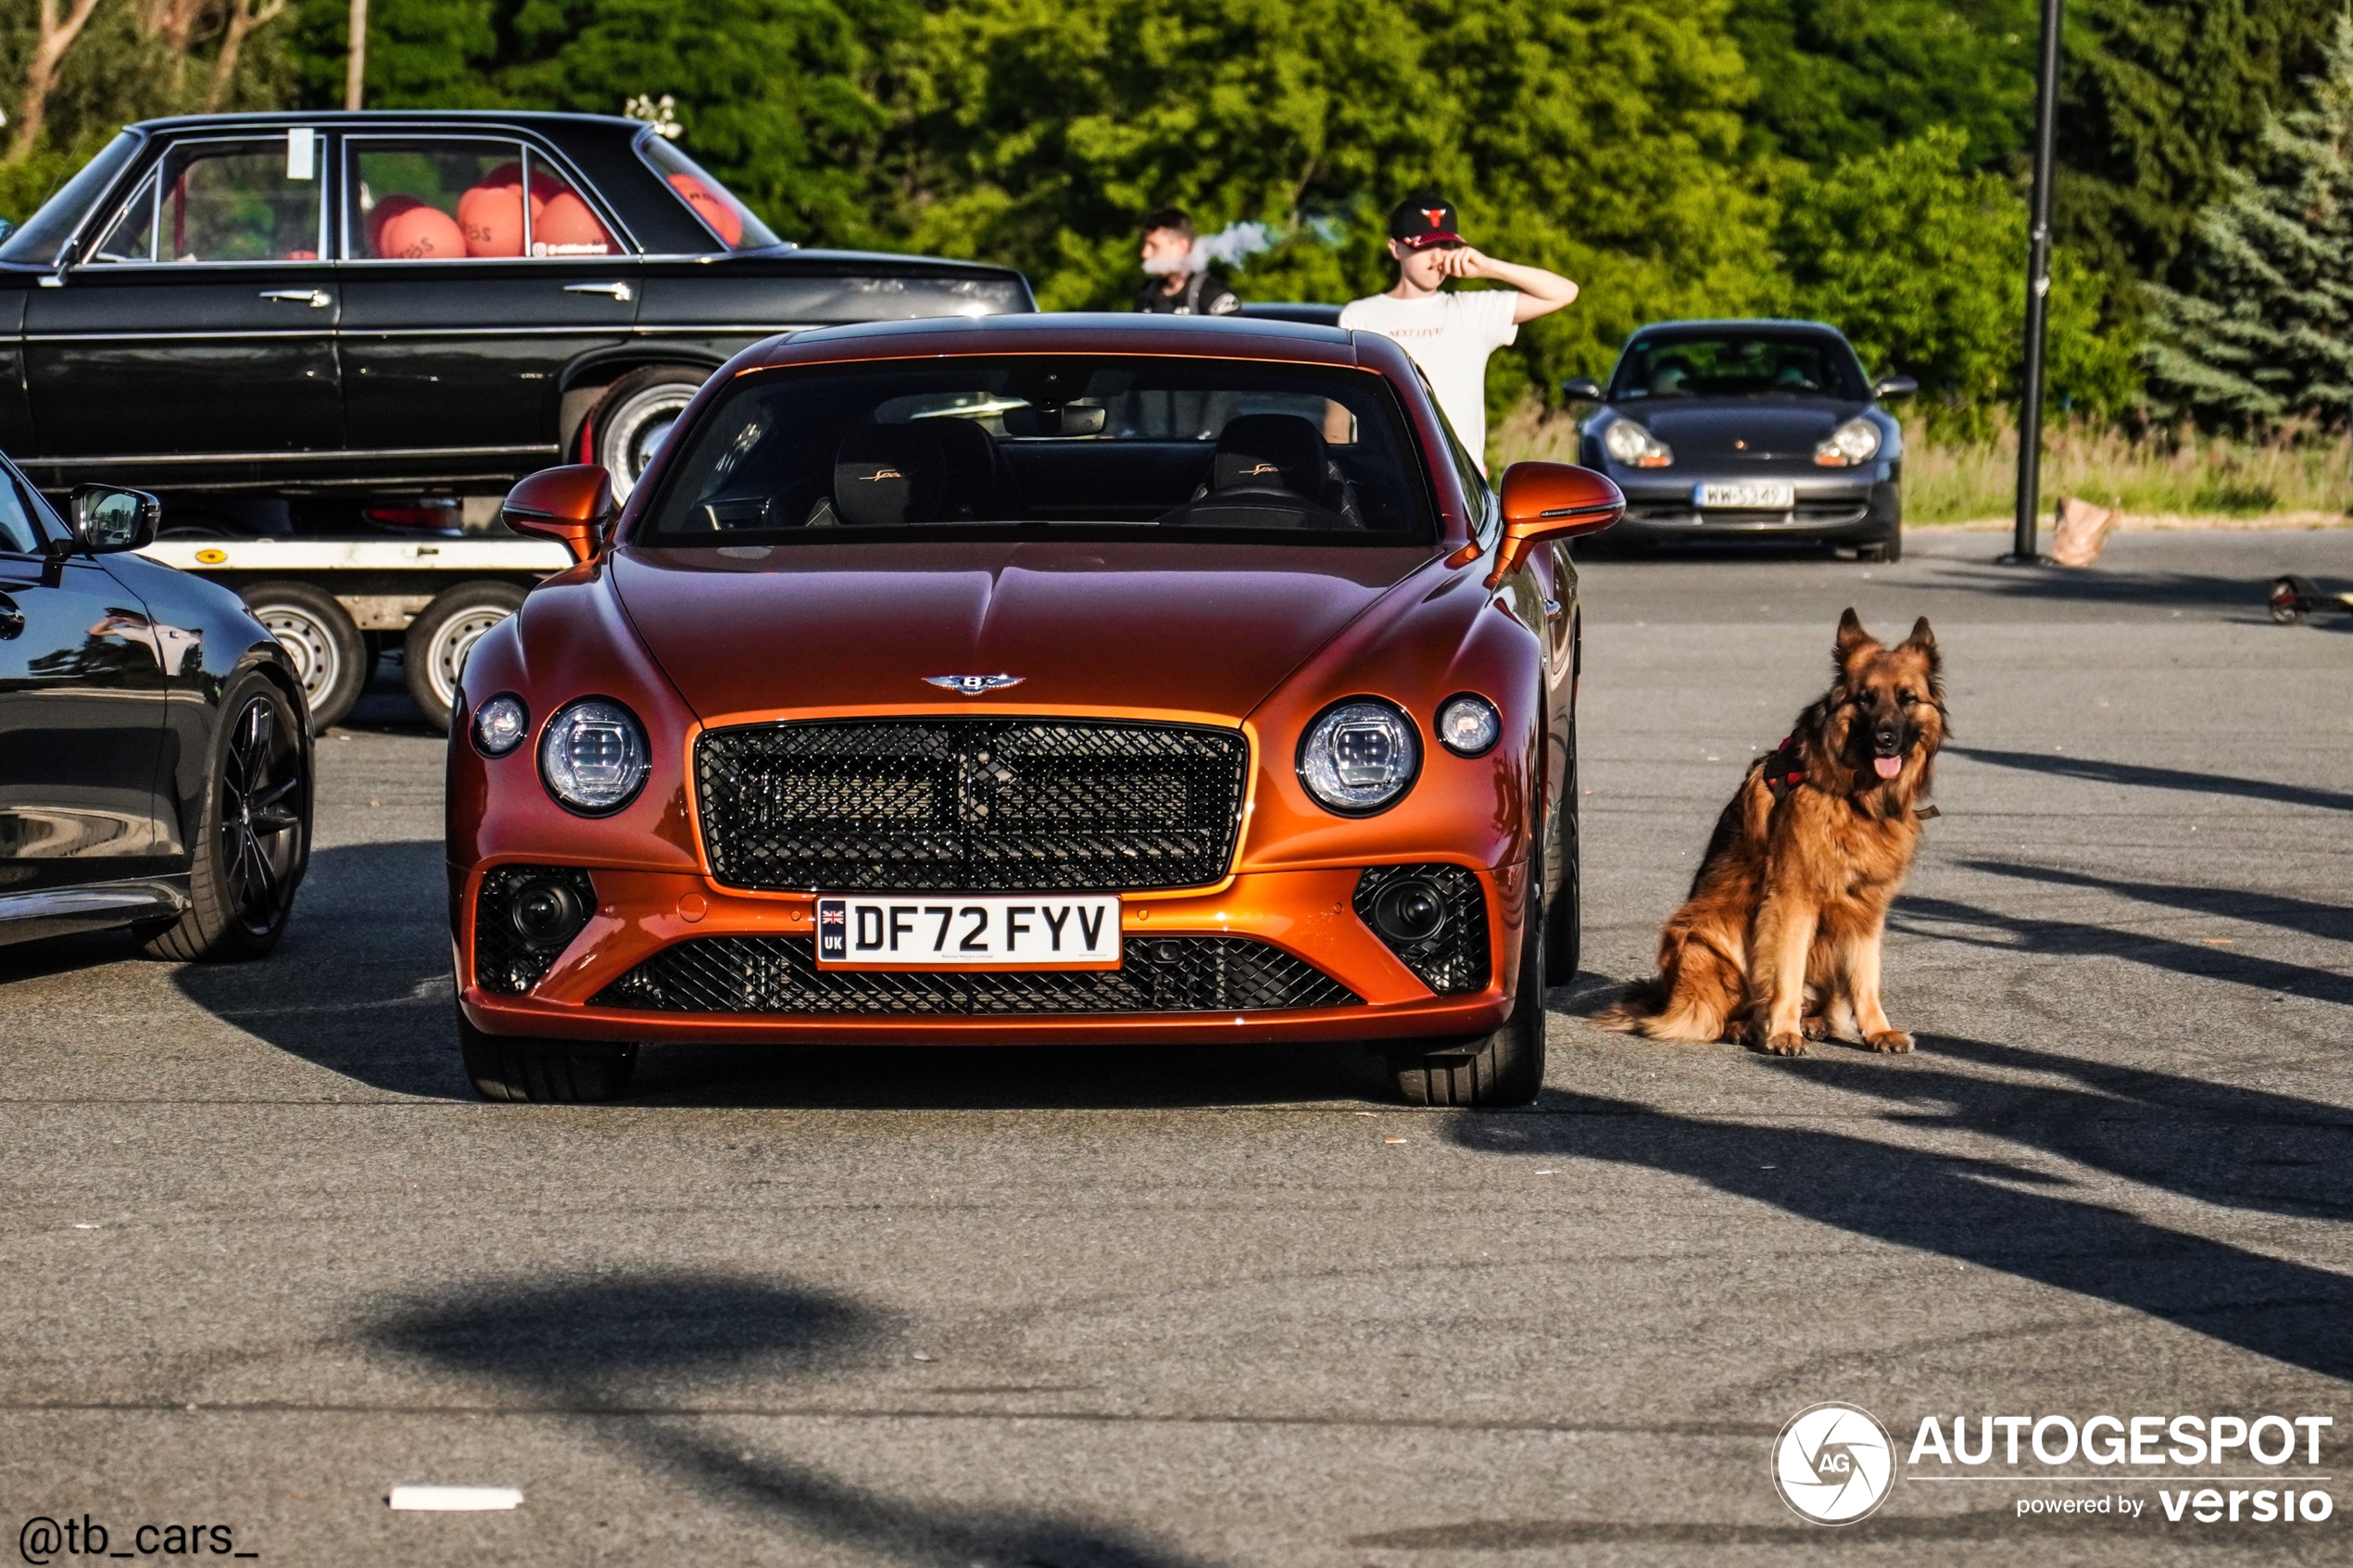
(1785, 769)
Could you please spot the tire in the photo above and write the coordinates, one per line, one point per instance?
(330, 653)
(1890, 549)
(1504, 1068)
(1564, 923)
(444, 633)
(511, 1068)
(253, 844)
(629, 422)
(2288, 598)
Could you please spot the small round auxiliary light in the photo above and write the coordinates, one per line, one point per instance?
(1468, 725)
(500, 723)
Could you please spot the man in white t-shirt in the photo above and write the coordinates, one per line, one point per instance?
(1450, 336)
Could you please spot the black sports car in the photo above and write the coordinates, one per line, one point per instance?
(276, 302)
(1749, 429)
(155, 754)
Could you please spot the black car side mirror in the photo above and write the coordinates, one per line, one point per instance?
(1582, 389)
(109, 520)
(1888, 387)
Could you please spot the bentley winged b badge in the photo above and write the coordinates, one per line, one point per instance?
(973, 686)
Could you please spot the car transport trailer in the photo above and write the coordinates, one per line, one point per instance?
(335, 604)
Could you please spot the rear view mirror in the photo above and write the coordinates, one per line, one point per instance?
(1582, 389)
(1890, 387)
(1070, 419)
(1544, 501)
(570, 505)
(109, 520)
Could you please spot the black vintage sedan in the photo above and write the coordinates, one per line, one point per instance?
(155, 754)
(1749, 430)
(280, 303)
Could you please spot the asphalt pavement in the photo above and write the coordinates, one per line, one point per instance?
(1167, 1309)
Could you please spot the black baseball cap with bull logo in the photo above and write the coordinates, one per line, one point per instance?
(1423, 219)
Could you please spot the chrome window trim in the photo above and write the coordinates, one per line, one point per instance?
(528, 144)
(155, 237)
(310, 454)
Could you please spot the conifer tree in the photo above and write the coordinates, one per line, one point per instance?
(2265, 335)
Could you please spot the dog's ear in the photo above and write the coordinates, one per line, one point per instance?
(1851, 636)
(1923, 637)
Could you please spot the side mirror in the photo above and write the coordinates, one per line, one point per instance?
(108, 519)
(1582, 389)
(1547, 501)
(1889, 387)
(572, 505)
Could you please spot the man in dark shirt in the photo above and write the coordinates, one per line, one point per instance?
(1172, 284)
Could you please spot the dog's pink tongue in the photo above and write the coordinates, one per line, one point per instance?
(1888, 767)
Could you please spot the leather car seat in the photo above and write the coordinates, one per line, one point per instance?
(1266, 466)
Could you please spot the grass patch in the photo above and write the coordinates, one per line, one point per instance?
(2164, 472)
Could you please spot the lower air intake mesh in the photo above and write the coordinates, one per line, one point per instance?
(779, 974)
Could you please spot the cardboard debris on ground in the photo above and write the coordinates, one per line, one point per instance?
(2083, 529)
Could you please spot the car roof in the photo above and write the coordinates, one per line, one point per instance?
(1736, 324)
(1209, 337)
(538, 120)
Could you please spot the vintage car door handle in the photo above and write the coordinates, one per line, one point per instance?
(618, 291)
(314, 298)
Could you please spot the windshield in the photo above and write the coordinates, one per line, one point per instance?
(1176, 448)
(44, 235)
(1738, 365)
(710, 201)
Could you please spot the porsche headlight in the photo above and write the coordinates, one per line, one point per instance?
(1635, 446)
(500, 723)
(592, 756)
(1359, 756)
(1855, 442)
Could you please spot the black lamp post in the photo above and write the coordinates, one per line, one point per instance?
(2038, 289)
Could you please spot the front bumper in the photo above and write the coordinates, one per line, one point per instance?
(1855, 506)
(1306, 914)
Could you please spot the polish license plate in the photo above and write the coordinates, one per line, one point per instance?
(968, 930)
(1747, 497)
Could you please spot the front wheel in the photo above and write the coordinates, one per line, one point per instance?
(507, 1067)
(443, 635)
(1504, 1068)
(628, 425)
(1889, 550)
(254, 842)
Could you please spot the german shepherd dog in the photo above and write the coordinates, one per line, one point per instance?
(1792, 896)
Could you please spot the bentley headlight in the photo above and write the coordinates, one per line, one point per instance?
(1635, 446)
(1855, 442)
(592, 755)
(1468, 725)
(500, 723)
(1359, 756)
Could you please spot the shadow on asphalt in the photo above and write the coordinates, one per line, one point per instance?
(627, 1356)
(2177, 1134)
(2157, 778)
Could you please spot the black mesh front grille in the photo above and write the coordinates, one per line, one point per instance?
(970, 805)
(504, 959)
(779, 974)
(1452, 959)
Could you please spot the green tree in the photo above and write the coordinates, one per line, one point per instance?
(1920, 261)
(2265, 335)
(1601, 139)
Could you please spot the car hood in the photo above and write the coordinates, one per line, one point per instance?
(1768, 427)
(1201, 630)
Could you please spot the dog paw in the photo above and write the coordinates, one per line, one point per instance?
(1816, 1028)
(1785, 1043)
(1889, 1040)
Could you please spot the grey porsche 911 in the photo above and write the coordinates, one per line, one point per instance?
(1749, 430)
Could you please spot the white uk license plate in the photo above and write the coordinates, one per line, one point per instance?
(968, 930)
(1754, 497)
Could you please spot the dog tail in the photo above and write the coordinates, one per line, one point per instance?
(1643, 1001)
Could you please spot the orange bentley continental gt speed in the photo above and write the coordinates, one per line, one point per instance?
(1085, 680)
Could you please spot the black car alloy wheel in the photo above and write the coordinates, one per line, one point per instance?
(256, 839)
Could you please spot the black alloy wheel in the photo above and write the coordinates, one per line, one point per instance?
(254, 844)
(1564, 913)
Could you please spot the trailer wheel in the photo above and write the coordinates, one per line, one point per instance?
(330, 653)
(443, 635)
(630, 422)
